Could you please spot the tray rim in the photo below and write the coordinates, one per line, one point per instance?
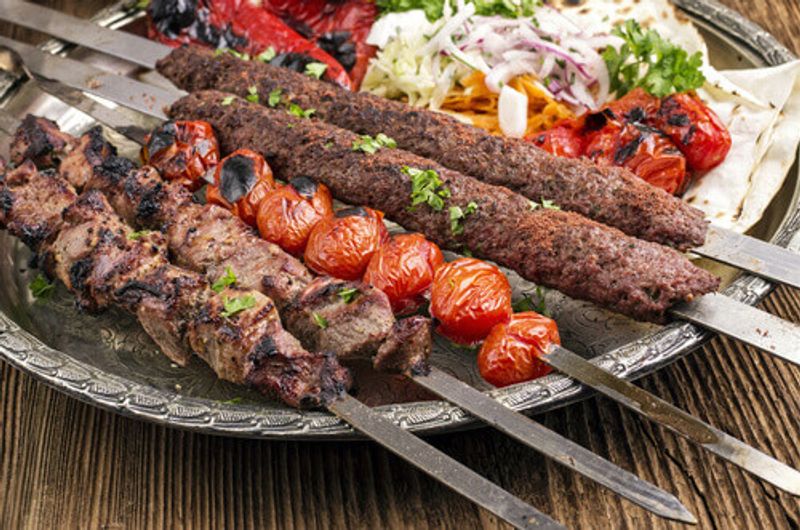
(170, 408)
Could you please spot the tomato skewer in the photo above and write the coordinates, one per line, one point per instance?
(404, 268)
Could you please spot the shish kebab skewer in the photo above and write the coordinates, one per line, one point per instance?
(712, 311)
(628, 203)
(140, 196)
(91, 251)
(677, 420)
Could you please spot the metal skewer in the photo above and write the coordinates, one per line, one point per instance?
(518, 426)
(743, 252)
(434, 462)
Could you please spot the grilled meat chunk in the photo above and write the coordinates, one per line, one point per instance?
(610, 195)
(85, 245)
(557, 249)
(41, 141)
(210, 239)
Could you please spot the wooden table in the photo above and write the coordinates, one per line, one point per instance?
(64, 464)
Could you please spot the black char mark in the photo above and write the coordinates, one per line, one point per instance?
(237, 177)
(304, 186)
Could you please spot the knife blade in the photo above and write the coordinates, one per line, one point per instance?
(141, 97)
(448, 389)
(656, 409)
(126, 46)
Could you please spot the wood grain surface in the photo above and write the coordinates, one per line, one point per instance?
(64, 464)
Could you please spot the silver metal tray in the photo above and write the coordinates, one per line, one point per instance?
(108, 361)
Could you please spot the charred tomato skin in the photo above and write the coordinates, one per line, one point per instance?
(510, 354)
(563, 139)
(696, 130)
(182, 150)
(468, 298)
(288, 214)
(241, 180)
(646, 151)
(342, 245)
(403, 269)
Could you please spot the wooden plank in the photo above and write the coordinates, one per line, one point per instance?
(64, 464)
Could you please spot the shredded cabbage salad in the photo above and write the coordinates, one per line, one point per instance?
(422, 61)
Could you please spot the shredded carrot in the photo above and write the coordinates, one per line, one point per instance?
(473, 100)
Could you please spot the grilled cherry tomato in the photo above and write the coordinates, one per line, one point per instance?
(241, 181)
(468, 298)
(510, 354)
(696, 130)
(403, 268)
(182, 150)
(642, 149)
(563, 139)
(635, 106)
(287, 214)
(342, 245)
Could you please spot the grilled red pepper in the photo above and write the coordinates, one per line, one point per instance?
(241, 26)
(340, 28)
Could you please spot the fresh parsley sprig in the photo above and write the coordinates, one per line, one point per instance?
(315, 69)
(137, 235)
(370, 145)
(234, 306)
(252, 94)
(457, 216)
(348, 294)
(297, 110)
(647, 60)
(41, 287)
(226, 280)
(320, 321)
(546, 204)
(426, 188)
(533, 302)
(274, 97)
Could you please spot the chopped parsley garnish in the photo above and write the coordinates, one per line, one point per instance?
(228, 279)
(297, 110)
(316, 69)
(274, 97)
(139, 234)
(267, 55)
(457, 216)
(227, 100)
(528, 303)
(234, 306)
(647, 60)
(233, 401)
(231, 51)
(546, 204)
(327, 145)
(320, 320)
(371, 145)
(426, 188)
(40, 287)
(252, 94)
(348, 294)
